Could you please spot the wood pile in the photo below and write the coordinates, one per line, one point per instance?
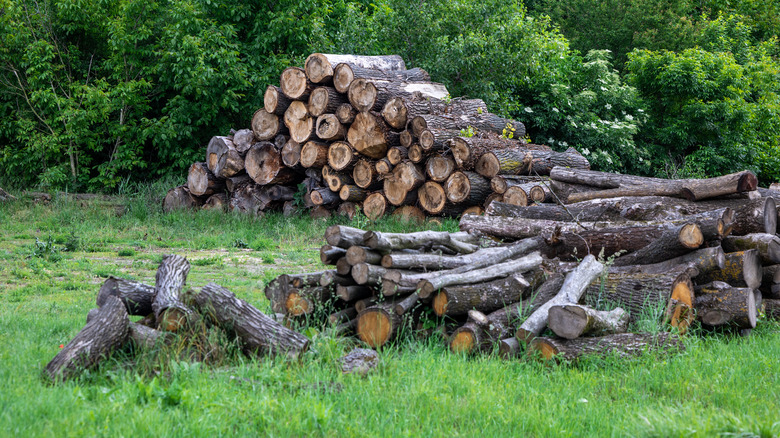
(682, 251)
(365, 132)
(166, 309)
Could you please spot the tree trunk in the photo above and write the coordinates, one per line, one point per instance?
(275, 101)
(547, 291)
(518, 160)
(398, 110)
(106, 331)
(717, 303)
(742, 269)
(364, 174)
(352, 293)
(222, 157)
(622, 344)
(439, 168)
(405, 305)
(346, 73)
(438, 139)
(374, 206)
(243, 139)
(344, 236)
(351, 193)
(485, 296)
(483, 331)
(673, 242)
(466, 187)
(325, 100)
(137, 297)
(291, 154)
(266, 125)
(481, 122)
(330, 278)
(359, 254)
(320, 68)
(169, 311)
(264, 165)
(373, 94)
(342, 156)
(399, 260)
(386, 242)
(629, 185)
(767, 245)
(370, 136)
(346, 113)
(468, 150)
(216, 201)
(314, 154)
(574, 286)
(571, 321)
(259, 334)
(329, 128)
(429, 285)
(299, 122)
(324, 196)
(180, 198)
(202, 182)
(306, 301)
(330, 254)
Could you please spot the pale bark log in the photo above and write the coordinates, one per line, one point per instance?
(571, 321)
(622, 344)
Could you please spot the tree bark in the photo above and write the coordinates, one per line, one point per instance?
(483, 331)
(742, 269)
(673, 242)
(365, 274)
(486, 122)
(106, 331)
(264, 165)
(512, 161)
(259, 334)
(330, 254)
(571, 321)
(324, 196)
(622, 344)
(772, 308)
(386, 242)
(325, 100)
(359, 254)
(373, 94)
(222, 157)
(383, 166)
(574, 286)
(767, 245)
(468, 150)
(275, 102)
(485, 296)
(243, 139)
(429, 285)
(718, 303)
(436, 139)
(169, 311)
(352, 293)
(628, 185)
(351, 193)
(137, 297)
(344, 236)
(399, 110)
(346, 73)
(467, 187)
(320, 67)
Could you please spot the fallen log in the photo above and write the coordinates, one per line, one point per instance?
(483, 331)
(399, 110)
(137, 297)
(571, 321)
(379, 324)
(258, 333)
(483, 296)
(513, 161)
(386, 242)
(373, 94)
(741, 269)
(767, 245)
(574, 285)
(321, 67)
(106, 331)
(622, 344)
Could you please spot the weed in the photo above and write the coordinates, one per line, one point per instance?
(126, 252)
(468, 132)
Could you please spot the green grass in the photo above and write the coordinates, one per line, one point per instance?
(721, 386)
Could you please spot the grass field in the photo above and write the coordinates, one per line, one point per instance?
(55, 256)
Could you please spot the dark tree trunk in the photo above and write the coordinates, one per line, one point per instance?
(169, 311)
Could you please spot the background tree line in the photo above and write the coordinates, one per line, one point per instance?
(97, 93)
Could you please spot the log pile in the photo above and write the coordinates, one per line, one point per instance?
(364, 132)
(168, 310)
(712, 260)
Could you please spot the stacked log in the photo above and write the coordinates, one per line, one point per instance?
(362, 130)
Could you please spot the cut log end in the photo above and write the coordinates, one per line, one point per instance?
(440, 303)
(463, 341)
(375, 327)
(297, 305)
(690, 236)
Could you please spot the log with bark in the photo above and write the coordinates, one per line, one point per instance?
(718, 303)
(346, 73)
(341, 156)
(320, 67)
(385, 242)
(299, 122)
(466, 187)
(371, 136)
(295, 84)
(329, 128)
(379, 324)
(266, 125)
(275, 102)
(485, 122)
(615, 185)
(767, 245)
(622, 344)
(483, 296)
(571, 321)
(741, 269)
(258, 333)
(482, 331)
(137, 297)
(438, 168)
(399, 110)
(106, 331)
(314, 154)
(574, 285)
(222, 157)
(364, 174)
(344, 236)
(521, 160)
(264, 165)
(202, 182)
(169, 310)
(180, 198)
(375, 206)
(325, 100)
(373, 94)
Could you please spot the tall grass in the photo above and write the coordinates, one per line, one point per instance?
(721, 385)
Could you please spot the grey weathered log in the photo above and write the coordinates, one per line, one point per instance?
(320, 67)
(574, 285)
(345, 73)
(483, 331)
(169, 310)
(406, 304)
(276, 292)
(258, 333)
(365, 274)
(137, 297)
(330, 254)
(622, 344)
(202, 182)
(222, 157)
(674, 242)
(431, 261)
(447, 278)
(574, 320)
(386, 242)
(360, 254)
(105, 332)
(330, 277)
(352, 293)
(373, 94)
(344, 236)
(399, 110)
